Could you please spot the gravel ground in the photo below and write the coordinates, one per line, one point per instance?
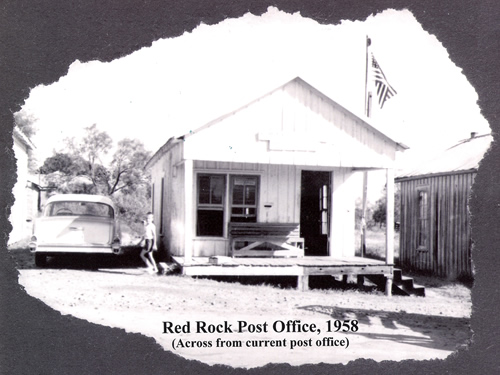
(120, 293)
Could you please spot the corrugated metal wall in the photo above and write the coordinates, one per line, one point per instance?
(448, 253)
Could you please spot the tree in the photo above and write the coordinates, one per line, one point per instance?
(380, 211)
(65, 172)
(68, 164)
(127, 171)
(83, 170)
(92, 148)
(25, 122)
(133, 205)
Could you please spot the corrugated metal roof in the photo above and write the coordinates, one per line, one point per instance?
(464, 156)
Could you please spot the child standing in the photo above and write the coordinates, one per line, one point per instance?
(149, 243)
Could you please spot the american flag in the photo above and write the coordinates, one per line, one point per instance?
(383, 88)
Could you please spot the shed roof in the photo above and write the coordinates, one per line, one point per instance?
(463, 157)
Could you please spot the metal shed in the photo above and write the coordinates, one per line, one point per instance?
(435, 233)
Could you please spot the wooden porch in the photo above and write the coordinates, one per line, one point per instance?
(300, 267)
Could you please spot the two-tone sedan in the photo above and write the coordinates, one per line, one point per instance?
(75, 223)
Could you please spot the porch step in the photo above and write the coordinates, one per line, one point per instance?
(401, 285)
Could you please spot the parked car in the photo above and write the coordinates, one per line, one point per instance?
(75, 223)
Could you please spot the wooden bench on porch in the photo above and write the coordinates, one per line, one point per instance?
(266, 240)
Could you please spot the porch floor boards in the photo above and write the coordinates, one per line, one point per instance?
(309, 265)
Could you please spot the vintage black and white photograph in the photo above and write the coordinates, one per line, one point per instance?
(268, 189)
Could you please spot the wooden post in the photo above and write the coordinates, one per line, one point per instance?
(188, 211)
(360, 279)
(331, 231)
(303, 283)
(388, 286)
(389, 236)
(363, 214)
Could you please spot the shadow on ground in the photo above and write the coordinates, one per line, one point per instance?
(290, 282)
(129, 259)
(430, 331)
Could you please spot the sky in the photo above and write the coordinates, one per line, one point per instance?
(179, 84)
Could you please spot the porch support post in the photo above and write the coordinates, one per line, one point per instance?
(389, 227)
(342, 213)
(363, 214)
(389, 236)
(388, 286)
(303, 283)
(188, 211)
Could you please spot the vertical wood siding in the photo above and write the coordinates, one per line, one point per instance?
(279, 186)
(172, 215)
(449, 250)
(294, 125)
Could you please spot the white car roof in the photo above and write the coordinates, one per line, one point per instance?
(81, 198)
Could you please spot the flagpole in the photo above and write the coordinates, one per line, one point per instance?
(365, 173)
(367, 109)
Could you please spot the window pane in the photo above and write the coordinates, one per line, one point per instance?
(244, 199)
(204, 192)
(422, 228)
(250, 195)
(210, 213)
(210, 223)
(79, 209)
(238, 194)
(217, 189)
(239, 181)
(237, 211)
(251, 181)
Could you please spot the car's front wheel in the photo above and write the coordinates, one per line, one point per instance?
(40, 260)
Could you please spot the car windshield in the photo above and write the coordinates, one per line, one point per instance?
(79, 209)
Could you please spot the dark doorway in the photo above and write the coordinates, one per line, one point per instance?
(314, 212)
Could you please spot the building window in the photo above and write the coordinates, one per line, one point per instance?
(423, 220)
(323, 207)
(210, 205)
(244, 192)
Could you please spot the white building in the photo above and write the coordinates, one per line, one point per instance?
(25, 192)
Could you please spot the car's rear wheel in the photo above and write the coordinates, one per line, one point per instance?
(40, 260)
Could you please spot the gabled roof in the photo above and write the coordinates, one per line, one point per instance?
(461, 158)
(17, 133)
(269, 129)
(400, 146)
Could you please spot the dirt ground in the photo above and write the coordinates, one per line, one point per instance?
(120, 293)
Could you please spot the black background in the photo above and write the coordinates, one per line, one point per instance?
(38, 42)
